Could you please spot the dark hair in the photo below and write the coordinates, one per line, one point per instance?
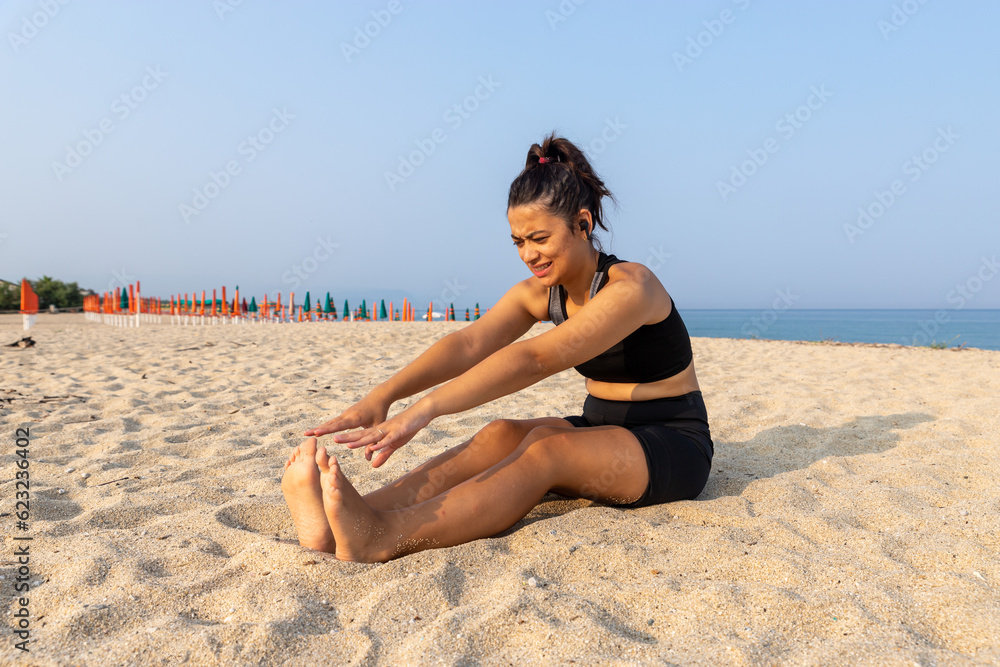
(563, 183)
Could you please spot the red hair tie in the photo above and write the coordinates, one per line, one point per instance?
(543, 160)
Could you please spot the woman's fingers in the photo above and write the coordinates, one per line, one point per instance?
(379, 441)
(349, 437)
(375, 448)
(331, 426)
(340, 423)
(363, 438)
(381, 457)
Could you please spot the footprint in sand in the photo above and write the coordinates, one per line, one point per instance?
(257, 518)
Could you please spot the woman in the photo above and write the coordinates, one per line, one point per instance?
(643, 437)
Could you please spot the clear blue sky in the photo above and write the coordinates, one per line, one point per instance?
(670, 99)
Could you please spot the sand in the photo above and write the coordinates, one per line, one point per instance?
(851, 517)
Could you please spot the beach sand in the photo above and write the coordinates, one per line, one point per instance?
(852, 516)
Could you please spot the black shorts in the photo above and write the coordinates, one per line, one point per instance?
(674, 435)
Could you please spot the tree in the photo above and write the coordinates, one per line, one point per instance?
(56, 293)
(10, 296)
(49, 291)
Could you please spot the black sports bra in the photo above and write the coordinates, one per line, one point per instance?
(650, 353)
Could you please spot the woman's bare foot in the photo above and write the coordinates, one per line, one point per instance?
(301, 487)
(362, 534)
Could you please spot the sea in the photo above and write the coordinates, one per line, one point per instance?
(927, 328)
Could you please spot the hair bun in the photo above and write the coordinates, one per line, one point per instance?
(563, 191)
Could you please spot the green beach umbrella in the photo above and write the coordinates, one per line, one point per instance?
(253, 304)
(308, 305)
(346, 309)
(382, 312)
(466, 314)
(364, 309)
(124, 302)
(328, 307)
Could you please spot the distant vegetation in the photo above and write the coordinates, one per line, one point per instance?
(934, 345)
(49, 291)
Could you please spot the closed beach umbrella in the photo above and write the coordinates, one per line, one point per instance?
(382, 312)
(308, 305)
(253, 304)
(347, 310)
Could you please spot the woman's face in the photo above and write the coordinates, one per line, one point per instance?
(546, 243)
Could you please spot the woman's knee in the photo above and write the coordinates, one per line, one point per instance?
(545, 442)
(499, 427)
(507, 430)
(501, 434)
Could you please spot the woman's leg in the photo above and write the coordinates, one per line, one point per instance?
(492, 444)
(604, 463)
(300, 482)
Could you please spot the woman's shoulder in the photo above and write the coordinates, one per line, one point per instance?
(632, 271)
(509, 318)
(658, 301)
(533, 296)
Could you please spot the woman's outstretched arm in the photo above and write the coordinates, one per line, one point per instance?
(447, 358)
(620, 308)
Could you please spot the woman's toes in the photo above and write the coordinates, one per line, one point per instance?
(323, 459)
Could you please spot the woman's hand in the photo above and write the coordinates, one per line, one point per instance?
(366, 412)
(382, 439)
